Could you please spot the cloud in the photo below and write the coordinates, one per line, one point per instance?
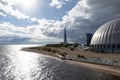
(2, 14)
(29, 34)
(58, 3)
(105, 9)
(85, 17)
(8, 8)
(3, 2)
(75, 21)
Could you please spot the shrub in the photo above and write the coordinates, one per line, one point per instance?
(58, 45)
(55, 51)
(39, 48)
(33, 47)
(46, 49)
(65, 53)
(81, 56)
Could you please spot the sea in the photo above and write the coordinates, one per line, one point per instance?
(16, 64)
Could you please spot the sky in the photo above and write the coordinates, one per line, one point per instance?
(43, 21)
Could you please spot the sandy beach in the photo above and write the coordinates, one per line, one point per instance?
(75, 52)
(113, 70)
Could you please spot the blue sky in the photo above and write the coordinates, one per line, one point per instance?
(43, 21)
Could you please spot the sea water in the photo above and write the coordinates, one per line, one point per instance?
(20, 65)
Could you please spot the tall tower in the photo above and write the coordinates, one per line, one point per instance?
(89, 37)
(65, 36)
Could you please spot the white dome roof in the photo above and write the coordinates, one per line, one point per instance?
(107, 34)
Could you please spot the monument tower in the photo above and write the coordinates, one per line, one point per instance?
(65, 36)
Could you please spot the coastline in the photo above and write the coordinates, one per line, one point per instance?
(40, 52)
(109, 69)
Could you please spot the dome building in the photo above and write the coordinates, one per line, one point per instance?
(107, 38)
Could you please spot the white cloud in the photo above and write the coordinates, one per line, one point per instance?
(59, 3)
(2, 14)
(9, 9)
(78, 21)
(46, 29)
(67, 0)
(56, 3)
(72, 20)
(33, 33)
(13, 12)
(80, 11)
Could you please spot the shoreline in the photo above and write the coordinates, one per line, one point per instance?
(109, 69)
(40, 52)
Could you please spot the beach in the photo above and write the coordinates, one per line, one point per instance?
(76, 52)
(109, 69)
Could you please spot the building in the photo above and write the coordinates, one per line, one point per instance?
(65, 36)
(107, 38)
(89, 37)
